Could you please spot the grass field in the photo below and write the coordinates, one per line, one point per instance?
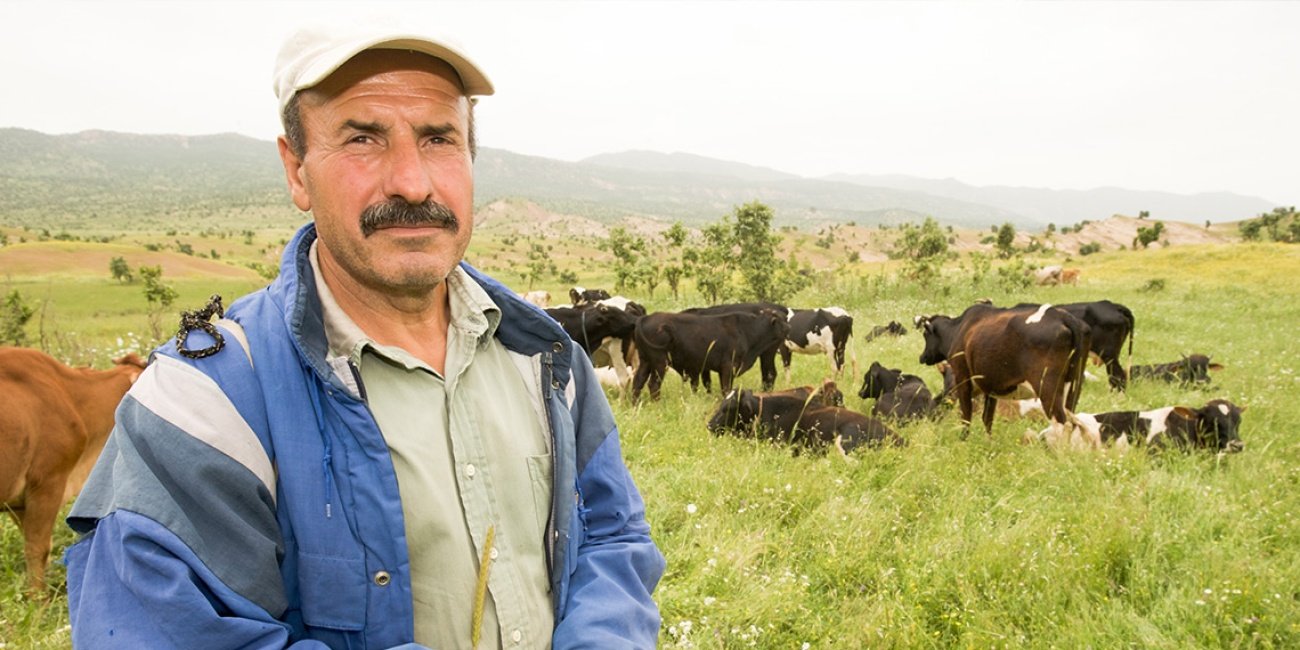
(976, 543)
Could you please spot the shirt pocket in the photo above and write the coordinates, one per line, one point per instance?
(539, 474)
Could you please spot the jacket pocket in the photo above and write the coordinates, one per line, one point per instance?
(333, 592)
(539, 474)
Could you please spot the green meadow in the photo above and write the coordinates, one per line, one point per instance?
(950, 542)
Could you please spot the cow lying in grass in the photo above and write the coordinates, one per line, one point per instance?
(898, 395)
(1214, 426)
(1191, 369)
(806, 422)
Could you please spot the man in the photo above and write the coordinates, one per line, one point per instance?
(390, 449)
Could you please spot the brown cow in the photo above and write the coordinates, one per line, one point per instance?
(53, 426)
(1070, 276)
(1000, 352)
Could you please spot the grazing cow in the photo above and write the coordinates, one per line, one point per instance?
(818, 331)
(799, 422)
(1191, 369)
(696, 344)
(581, 296)
(1214, 426)
(898, 395)
(767, 357)
(540, 298)
(894, 328)
(1070, 276)
(598, 326)
(53, 425)
(1111, 324)
(1047, 275)
(1002, 352)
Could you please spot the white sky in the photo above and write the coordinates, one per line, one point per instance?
(1181, 96)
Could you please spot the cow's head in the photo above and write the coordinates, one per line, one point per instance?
(937, 331)
(1195, 369)
(878, 380)
(871, 433)
(779, 323)
(1215, 425)
(736, 412)
(830, 393)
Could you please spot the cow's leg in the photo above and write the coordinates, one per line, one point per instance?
(964, 404)
(43, 501)
(656, 378)
(767, 362)
(1115, 373)
(786, 355)
(990, 407)
(638, 380)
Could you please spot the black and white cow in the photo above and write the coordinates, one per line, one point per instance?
(580, 296)
(818, 331)
(898, 395)
(1111, 324)
(696, 344)
(1191, 369)
(894, 328)
(605, 329)
(799, 422)
(1215, 426)
(767, 356)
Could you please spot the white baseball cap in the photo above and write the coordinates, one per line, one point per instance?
(313, 53)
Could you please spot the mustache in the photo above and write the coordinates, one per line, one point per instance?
(396, 212)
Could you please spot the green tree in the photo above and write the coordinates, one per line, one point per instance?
(712, 262)
(159, 294)
(1006, 241)
(924, 247)
(119, 269)
(1147, 235)
(14, 314)
(756, 257)
(537, 264)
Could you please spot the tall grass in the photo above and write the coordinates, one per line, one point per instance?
(981, 542)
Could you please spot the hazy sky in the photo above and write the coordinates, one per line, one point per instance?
(1181, 96)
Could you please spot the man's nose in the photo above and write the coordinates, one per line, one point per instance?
(408, 176)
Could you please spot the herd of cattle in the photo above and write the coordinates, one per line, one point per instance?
(1031, 357)
(1024, 359)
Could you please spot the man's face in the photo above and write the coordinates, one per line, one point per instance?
(387, 172)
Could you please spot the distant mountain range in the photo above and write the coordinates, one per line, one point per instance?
(68, 180)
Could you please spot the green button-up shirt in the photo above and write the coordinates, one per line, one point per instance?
(472, 455)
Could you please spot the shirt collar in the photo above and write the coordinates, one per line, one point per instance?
(473, 313)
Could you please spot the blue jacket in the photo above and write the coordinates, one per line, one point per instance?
(248, 499)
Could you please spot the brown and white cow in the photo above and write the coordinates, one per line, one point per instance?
(1215, 426)
(1014, 353)
(696, 344)
(540, 298)
(1111, 324)
(53, 424)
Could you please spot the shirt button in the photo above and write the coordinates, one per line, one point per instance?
(470, 470)
(382, 578)
(516, 636)
(494, 553)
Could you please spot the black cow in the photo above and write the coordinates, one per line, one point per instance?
(601, 328)
(799, 422)
(818, 331)
(581, 296)
(1001, 352)
(898, 395)
(1111, 324)
(1214, 426)
(1191, 369)
(697, 344)
(766, 357)
(894, 328)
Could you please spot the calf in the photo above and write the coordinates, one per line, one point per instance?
(818, 331)
(53, 425)
(1047, 275)
(540, 298)
(799, 422)
(1191, 369)
(1005, 353)
(696, 344)
(767, 356)
(898, 395)
(894, 328)
(1214, 426)
(1070, 276)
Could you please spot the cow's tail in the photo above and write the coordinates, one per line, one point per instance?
(1081, 337)
(1132, 331)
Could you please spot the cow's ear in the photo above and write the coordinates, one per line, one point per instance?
(1241, 408)
(1216, 366)
(1186, 413)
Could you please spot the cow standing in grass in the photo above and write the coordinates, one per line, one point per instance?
(1013, 353)
(53, 424)
(696, 344)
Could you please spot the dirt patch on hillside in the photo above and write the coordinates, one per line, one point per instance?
(82, 259)
(1120, 232)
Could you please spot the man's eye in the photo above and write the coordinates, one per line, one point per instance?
(360, 139)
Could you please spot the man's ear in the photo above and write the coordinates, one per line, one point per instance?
(294, 174)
